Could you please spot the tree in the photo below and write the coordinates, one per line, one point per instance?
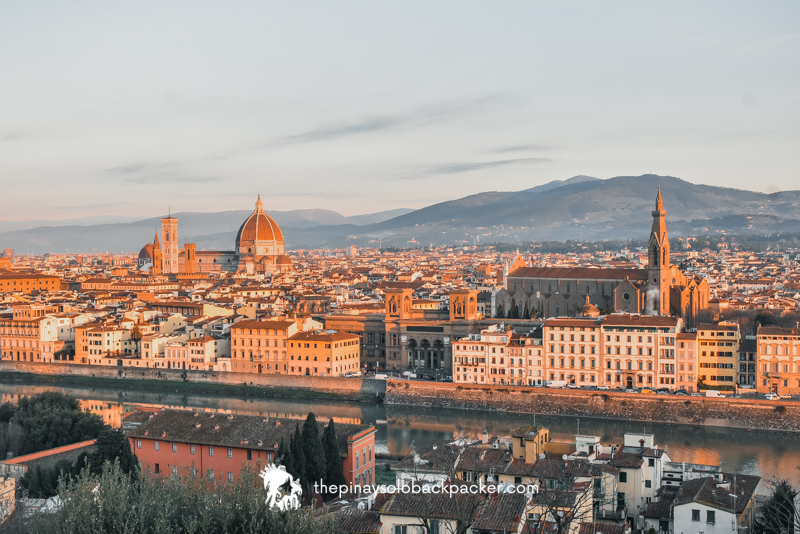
(500, 312)
(136, 336)
(334, 473)
(562, 503)
(765, 318)
(112, 502)
(527, 313)
(780, 513)
(51, 420)
(312, 452)
(112, 445)
(296, 450)
(513, 312)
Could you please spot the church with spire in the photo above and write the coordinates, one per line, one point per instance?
(259, 249)
(659, 289)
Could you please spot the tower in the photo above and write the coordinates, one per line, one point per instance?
(190, 258)
(155, 269)
(169, 231)
(659, 266)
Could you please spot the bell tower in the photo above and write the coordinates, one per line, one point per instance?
(658, 262)
(155, 268)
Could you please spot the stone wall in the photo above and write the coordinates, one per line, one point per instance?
(344, 386)
(741, 413)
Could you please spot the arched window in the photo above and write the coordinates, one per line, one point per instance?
(558, 309)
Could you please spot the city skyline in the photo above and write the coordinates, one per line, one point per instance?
(107, 108)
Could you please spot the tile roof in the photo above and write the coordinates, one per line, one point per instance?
(578, 273)
(501, 512)
(355, 521)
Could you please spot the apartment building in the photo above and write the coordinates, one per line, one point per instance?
(95, 341)
(686, 347)
(498, 357)
(154, 348)
(639, 350)
(748, 362)
(199, 354)
(261, 346)
(778, 360)
(323, 353)
(29, 334)
(573, 350)
(718, 354)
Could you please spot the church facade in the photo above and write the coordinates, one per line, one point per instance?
(259, 249)
(660, 289)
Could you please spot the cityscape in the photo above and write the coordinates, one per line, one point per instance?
(378, 269)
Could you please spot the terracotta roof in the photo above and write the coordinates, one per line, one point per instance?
(571, 273)
(501, 512)
(49, 452)
(355, 521)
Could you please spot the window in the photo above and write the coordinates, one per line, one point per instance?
(174, 470)
(651, 462)
(230, 452)
(648, 484)
(623, 476)
(711, 517)
(211, 474)
(230, 476)
(155, 445)
(191, 449)
(157, 469)
(400, 529)
(695, 515)
(434, 526)
(249, 454)
(138, 444)
(211, 452)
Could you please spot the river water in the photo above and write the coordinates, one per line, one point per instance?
(400, 428)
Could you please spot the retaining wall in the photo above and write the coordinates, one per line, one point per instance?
(741, 413)
(344, 386)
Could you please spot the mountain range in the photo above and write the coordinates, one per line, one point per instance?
(580, 208)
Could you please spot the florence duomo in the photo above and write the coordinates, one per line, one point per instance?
(259, 249)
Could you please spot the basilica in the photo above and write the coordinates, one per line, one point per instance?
(259, 249)
(660, 289)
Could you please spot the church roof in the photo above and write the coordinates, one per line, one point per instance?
(259, 227)
(586, 273)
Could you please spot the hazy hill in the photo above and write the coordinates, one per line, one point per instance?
(582, 207)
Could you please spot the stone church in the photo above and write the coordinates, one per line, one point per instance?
(660, 289)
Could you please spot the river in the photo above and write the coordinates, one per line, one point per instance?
(767, 454)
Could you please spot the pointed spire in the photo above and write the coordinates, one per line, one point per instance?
(259, 205)
(659, 202)
(156, 245)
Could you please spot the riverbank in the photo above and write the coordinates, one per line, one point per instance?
(700, 411)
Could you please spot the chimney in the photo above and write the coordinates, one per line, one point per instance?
(197, 425)
(164, 434)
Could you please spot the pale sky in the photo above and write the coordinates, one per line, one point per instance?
(125, 108)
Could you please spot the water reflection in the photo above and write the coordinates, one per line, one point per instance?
(768, 454)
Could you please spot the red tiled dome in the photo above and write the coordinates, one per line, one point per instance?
(259, 227)
(147, 252)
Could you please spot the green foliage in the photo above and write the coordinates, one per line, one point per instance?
(42, 482)
(113, 503)
(298, 455)
(112, 445)
(334, 473)
(7, 410)
(777, 516)
(312, 451)
(51, 420)
(765, 318)
(500, 311)
(527, 313)
(513, 312)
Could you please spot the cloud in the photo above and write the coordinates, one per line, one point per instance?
(457, 168)
(375, 124)
(519, 148)
(13, 136)
(151, 173)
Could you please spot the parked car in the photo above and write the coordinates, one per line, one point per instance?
(714, 393)
(695, 395)
(556, 384)
(663, 391)
(647, 391)
(681, 392)
(572, 386)
(602, 387)
(786, 396)
(772, 396)
(631, 390)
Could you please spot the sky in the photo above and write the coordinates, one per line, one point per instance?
(134, 108)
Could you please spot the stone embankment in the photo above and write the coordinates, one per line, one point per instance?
(705, 411)
(351, 387)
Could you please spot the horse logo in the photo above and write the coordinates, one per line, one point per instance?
(274, 478)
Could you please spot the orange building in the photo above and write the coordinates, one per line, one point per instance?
(778, 360)
(182, 442)
(260, 346)
(30, 334)
(324, 353)
(11, 282)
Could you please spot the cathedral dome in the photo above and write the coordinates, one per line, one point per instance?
(147, 252)
(259, 235)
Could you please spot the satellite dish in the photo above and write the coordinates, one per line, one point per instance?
(564, 457)
(542, 456)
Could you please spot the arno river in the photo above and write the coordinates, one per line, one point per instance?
(768, 454)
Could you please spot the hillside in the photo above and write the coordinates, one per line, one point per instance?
(582, 208)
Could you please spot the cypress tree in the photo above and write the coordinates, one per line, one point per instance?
(512, 313)
(298, 456)
(313, 453)
(527, 313)
(334, 473)
(500, 312)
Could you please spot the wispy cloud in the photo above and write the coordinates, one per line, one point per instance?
(519, 148)
(457, 168)
(469, 166)
(152, 173)
(11, 136)
(375, 124)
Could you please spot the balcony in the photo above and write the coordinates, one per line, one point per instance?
(610, 514)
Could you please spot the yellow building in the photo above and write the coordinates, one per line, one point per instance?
(261, 346)
(778, 360)
(528, 442)
(324, 353)
(93, 342)
(11, 282)
(29, 334)
(718, 354)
